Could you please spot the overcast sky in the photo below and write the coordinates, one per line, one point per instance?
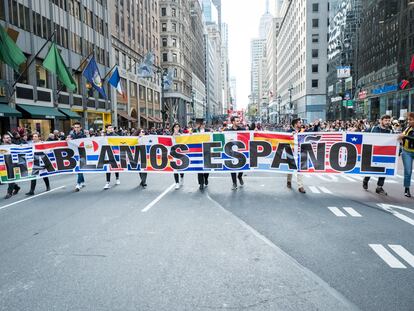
(243, 17)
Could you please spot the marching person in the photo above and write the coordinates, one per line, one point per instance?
(109, 131)
(384, 126)
(235, 126)
(78, 133)
(202, 177)
(12, 188)
(36, 140)
(407, 138)
(176, 131)
(296, 127)
(143, 176)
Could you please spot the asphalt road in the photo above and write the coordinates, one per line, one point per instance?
(262, 247)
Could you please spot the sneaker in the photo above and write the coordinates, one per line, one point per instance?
(30, 193)
(206, 182)
(302, 190)
(177, 186)
(83, 185)
(47, 188)
(8, 196)
(365, 185)
(16, 190)
(143, 185)
(241, 181)
(78, 187)
(381, 191)
(234, 187)
(407, 192)
(118, 182)
(107, 186)
(201, 187)
(289, 185)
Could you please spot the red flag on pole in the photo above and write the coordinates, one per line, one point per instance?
(412, 64)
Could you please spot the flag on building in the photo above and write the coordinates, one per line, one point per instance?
(168, 79)
(55, 64)
(412, 64)
(145, 69)
(92, 75)
(115, 81)
(10, 53)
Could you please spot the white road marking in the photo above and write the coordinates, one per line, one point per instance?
(348, 178)
(325, 190)
(404, 218)
(31, 197)
(391, 208)
(385, 255)
(314, 189)
(157, 199)
(336, 211)
(352, 212)
(329, 178)
(403, 253)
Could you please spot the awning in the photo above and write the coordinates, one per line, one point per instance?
(151, 119)
(158, 120)
(71, 114)
(7, 111)
(145, 117)
(42, 112)
(126, 116)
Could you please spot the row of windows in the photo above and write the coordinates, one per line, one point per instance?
(87, 17)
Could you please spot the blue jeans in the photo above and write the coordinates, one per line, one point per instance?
(81, 179)
(408, 159)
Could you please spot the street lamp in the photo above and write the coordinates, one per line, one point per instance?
(290, 102)
(279, 102)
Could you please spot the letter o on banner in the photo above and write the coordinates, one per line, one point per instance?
(351, 157)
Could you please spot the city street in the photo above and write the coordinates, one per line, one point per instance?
(262, 247)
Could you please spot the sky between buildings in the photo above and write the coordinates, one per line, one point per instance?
(243, 17)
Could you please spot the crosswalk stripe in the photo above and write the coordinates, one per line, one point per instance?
(403, 253)
(325, 190)
(314, 189)
(352, 212)
(385, 255)
(336, 211)
(348, 178)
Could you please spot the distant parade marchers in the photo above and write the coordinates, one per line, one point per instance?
(347, 147)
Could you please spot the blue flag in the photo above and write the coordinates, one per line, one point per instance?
(145, 69)
(168, 79)
(115, 81)
(92, 75)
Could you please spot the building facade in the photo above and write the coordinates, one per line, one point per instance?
(42, 103)
(225, 67)
(176, 55)
(302, 59)
(386, 47)
(135, 30)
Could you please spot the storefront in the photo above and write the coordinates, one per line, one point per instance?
(39, 119)
(97, 120)
(71, 116)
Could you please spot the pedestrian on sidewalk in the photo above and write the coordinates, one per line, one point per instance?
(407, 138)
(384, 127)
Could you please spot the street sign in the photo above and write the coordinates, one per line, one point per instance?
(343, 72)
(348, 103)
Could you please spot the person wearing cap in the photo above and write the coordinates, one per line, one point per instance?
(407, 138)
(296, 127)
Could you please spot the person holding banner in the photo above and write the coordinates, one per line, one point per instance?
(78, 133)
(12, 188)
(109, 131)
(235, 126)
(383, 127)
(36, 140)
(296, 127)
(202, 177)
(176, 131)
(143, 176)
(407, 138)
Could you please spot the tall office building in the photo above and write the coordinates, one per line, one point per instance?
(233, 91)
(302, 58)
(40, 103)
(225, 67)
(176, 55)
(131, 40)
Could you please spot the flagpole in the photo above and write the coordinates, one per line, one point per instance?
(106, 76)
(31, 62)
(74, 71)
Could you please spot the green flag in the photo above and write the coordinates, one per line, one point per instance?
(54, 63)
(9, 51)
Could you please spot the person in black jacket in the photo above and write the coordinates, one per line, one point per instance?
(78, 133)
(235, 121)
(109, 131)
(202, 177)
(384, 126)
(12, 188)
